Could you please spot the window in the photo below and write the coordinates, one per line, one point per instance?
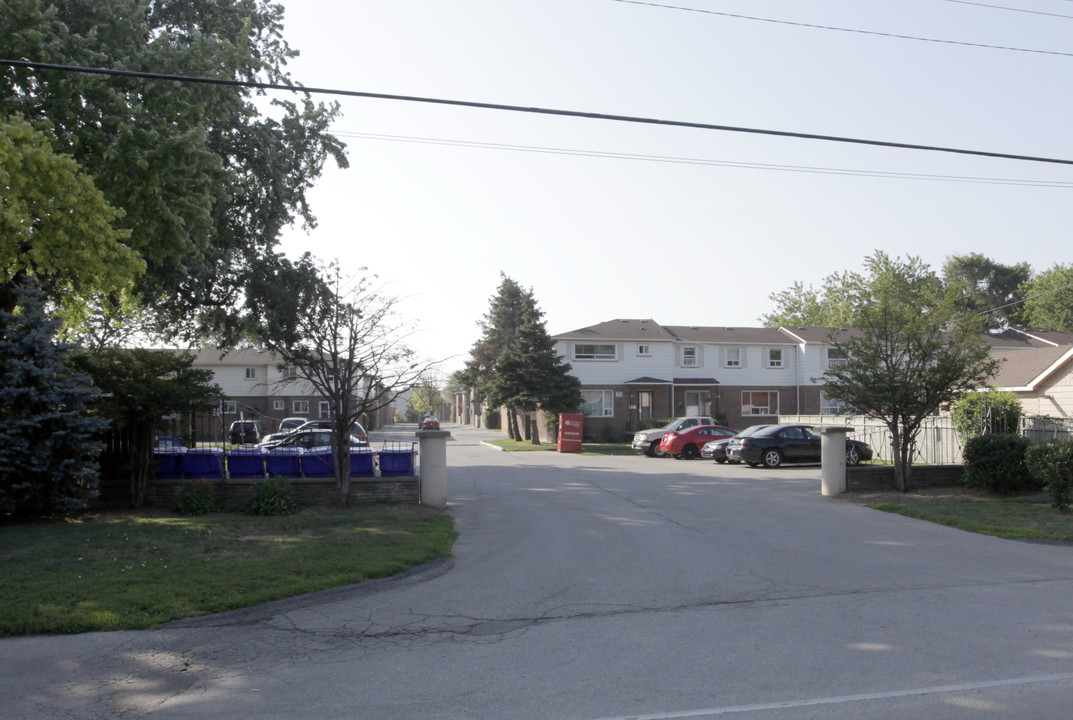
(251, 373)
(774, 357)
(279, 405)
(289, 373)
(690, 356)
(829, 406)
(759, 402)
(595, 352)
(324, 409)
(598, 403)
(228, 407)
(733, 358)
(835, 357)
(301, 407)
(644, 350)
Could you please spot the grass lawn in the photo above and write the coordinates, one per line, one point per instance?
(586, 448)
(1025, 516)
(133, 570)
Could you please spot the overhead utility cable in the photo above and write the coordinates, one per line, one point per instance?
(531, 110)
(842, 29)
(703, 161)
(1011, 9)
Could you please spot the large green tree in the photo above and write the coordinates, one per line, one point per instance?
(1048, 299)
(988, 290)
(914, 351)
(805, 306)
(207, 176)
(55, 225)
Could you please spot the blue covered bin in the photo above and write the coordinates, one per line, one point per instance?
(361, 462)
(203, 463)
(169, 463)
(246, 463)
(318, 463)
(284, 461)
(396, 461)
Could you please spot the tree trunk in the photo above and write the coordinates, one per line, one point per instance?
(526, 430)
(341, 464)
(535, 424)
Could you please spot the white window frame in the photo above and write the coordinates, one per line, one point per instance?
(771, 362)
(300, 407)
(749, 408)
(251, 373)
(690, 353)
(831, 407)
(279, 405)
(229, 407)
(737, 362)
(606, 403)
(644, 350)
(833, 360)
(595, 351)
(324, 409)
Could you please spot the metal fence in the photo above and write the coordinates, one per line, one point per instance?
(937, 443)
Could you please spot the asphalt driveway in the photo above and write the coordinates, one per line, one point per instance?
(592, 588)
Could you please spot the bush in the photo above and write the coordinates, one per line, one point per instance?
(654, 423)
(983, 413)
(1052, 463)
(274, 497)
(196, 497)
(492, 420)
(996, 463)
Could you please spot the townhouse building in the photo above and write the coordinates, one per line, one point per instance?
(256, 387)
(635, 370)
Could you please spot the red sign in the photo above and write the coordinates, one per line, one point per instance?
(570, 427)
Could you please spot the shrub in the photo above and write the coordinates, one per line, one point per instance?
(654, 423)
(273, 497)
(196, 497)
(1052, 463)
(983, 413)
(996, 463)
(492, 420)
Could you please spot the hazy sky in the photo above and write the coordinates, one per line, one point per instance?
(607, 220)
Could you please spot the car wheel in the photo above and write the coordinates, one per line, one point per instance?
(653, 449)
(690, 452)
(721, 460)
(853, 456)
(752, 464)
(772, 458)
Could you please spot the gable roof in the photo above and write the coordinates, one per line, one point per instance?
(620, 330)
(1026, 370)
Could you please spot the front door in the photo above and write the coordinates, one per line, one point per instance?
(644, 405)
(693, 403)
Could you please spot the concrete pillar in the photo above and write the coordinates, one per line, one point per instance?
(433, 454)
(833, 459)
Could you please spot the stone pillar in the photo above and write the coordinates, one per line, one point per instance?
(433, 454)
(833, 458)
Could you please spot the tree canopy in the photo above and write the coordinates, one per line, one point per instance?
(988, 290)
(1048, 300)
(913, 352)
(206, 176)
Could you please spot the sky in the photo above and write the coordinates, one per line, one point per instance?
(606, 220)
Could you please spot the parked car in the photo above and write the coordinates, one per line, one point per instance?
(356, 429)
(647, 441)
(307, 438)
(774, 445)
(717, 449)
(291, 423)
(686, 444)
(244, 431)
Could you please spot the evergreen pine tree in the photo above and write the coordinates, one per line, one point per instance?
(47, 445)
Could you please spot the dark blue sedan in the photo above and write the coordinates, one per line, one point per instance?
(780, 444)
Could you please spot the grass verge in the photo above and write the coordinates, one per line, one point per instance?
(135, 570)
(1017, 517)
(586, 448)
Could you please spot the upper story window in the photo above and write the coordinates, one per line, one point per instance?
(644, 350)
(251, 373)
(775, 358)
(835, 357)
(690, 356)
(584, 351)
(734, 358)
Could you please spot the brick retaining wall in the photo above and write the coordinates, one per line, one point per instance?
(880, 478)
(232, 494)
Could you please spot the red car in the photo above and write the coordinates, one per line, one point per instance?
(687, 444)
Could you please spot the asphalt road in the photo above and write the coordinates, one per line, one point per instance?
(607, 588)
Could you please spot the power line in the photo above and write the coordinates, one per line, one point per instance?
(843, 29)
(1003, 7)
(701, 161)
(530, 110)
